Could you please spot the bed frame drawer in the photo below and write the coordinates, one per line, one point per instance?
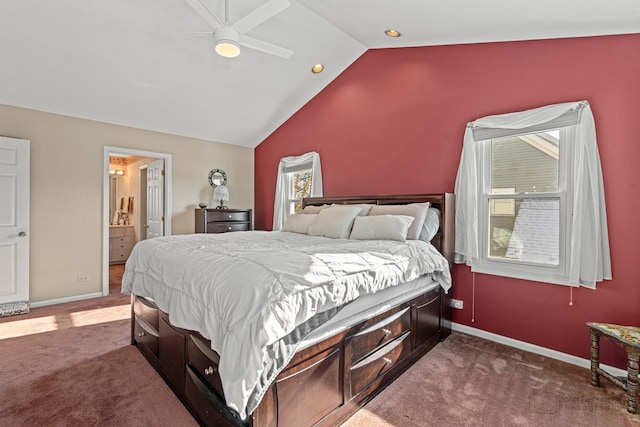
(377, 363)
(147, 310)
(204, 361)
(171, 353)
(370, 339)
(206, 405)
(145, 336)
(427, 315)
(301, 405)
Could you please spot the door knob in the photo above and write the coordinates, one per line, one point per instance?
(22, 234)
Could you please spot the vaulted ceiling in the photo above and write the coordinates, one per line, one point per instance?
(151, 64)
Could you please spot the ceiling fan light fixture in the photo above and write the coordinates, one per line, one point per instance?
(227, 42)
(227, 48)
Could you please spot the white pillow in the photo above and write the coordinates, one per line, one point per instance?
(334, 222)
(298, 223)
(418, 212)
(381, 227)
(312, 209)
(364, 206)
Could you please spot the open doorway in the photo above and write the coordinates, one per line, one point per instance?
(126, 209)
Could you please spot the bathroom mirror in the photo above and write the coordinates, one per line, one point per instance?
(116, 186)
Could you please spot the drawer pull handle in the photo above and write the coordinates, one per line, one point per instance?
(229, 216)
(229, 228)
(387, 361)
(386, 331)
(142, 334)
(209, 370)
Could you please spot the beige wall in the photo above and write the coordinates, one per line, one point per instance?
(66, 190)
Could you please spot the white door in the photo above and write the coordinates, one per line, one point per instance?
(155, 199)
(14, 226)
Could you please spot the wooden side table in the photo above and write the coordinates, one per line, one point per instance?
(627, 337)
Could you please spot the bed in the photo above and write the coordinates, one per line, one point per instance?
(347, 342)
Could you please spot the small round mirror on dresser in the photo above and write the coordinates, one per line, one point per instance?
(217, 177)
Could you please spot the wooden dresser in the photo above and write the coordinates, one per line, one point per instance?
(222, 220)
(121, 240)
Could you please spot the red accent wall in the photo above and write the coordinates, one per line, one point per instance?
(393, 123)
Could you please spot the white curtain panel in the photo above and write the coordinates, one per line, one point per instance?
(589, 259)
(289, 164)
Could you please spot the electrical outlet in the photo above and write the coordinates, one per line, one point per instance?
(83, 279)
(456, 303)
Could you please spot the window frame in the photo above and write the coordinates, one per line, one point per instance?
(290, 177)
(528, 270)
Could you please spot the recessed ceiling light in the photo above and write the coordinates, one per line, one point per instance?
(317, 68)
(393, 33)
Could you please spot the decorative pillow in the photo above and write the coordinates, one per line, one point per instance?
(313, 209)
(365, 208)
(431, 223)
(298, 223)
(334, 222)
(381, 227)
(417, 212)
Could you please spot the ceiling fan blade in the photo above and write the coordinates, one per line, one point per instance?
(206, 13)
(261, 14)
(265, 47)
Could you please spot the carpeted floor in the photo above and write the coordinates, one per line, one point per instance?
(73, 365)
(468, 381)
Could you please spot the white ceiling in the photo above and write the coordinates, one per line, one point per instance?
(121, 62)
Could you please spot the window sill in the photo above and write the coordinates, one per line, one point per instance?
(534, 274)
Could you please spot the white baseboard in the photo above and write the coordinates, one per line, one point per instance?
(67, 299)
(543, 351)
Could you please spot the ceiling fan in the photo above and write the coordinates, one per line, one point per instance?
(229, 38)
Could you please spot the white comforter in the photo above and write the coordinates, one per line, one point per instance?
(246, 290)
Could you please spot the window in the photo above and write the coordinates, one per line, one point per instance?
(527, 205)
(298, 187)
(523, 201)
(298, 177)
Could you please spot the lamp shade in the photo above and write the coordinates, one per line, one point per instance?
(221, 194)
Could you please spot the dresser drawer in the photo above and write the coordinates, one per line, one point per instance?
(124, 244)
(145, 335)
(221, 227)
(222, 220)
(120, 231)
(118, 254)
(377, 363)
(371, 338)
(125, 240)
(204, 361)
(227, 216)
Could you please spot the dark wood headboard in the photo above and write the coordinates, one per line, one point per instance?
(444, 240)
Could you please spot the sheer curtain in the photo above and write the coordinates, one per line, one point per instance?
(288, 165)
(588, 259)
